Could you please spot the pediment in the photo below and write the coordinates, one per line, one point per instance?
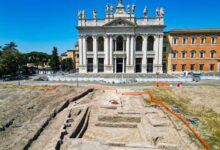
(120, 23)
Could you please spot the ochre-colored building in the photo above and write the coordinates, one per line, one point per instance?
(73, 54)
(196, 50)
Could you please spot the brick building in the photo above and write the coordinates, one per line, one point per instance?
(196, 50)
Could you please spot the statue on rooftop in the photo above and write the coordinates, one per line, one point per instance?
(145, 12)
(128, 8)
(79, 14)
(112, 9)
(133, 8)
(107, 9)
(162, 12)
(119, 1)
(94, 14)
(157, 12)
(83, 14)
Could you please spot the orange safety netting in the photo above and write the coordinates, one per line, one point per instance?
(161, 84)
(50, 88)
(133, 93)
(202, 140)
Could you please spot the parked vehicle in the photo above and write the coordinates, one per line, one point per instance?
(196, 77)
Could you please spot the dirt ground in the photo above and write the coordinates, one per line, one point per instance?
(24, 109)
(130, 124)
(207, 96)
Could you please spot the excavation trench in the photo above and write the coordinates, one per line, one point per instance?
(53, 115)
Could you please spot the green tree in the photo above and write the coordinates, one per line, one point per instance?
(10, 60)
(0, 51)
(37, 58)
(67, 64)
(54, 62)
(11, 46)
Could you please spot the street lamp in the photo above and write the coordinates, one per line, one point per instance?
(157, 73)
(77, 79)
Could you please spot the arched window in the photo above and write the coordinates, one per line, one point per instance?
(89, 44)
(119, 43)
(193, 54)
(213, 53)
(202, 54)
(139, 42)
(150, 43)
(100, 44)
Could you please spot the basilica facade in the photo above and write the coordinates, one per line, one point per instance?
(121, 42)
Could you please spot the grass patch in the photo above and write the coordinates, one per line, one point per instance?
(209, 120)
(36, 87)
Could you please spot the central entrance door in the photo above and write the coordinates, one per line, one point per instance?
(119, 65)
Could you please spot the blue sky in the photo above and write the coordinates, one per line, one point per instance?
(38, 25)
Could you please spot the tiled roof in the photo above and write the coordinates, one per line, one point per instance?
(205, 30)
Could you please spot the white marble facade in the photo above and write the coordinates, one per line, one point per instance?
(121, 43)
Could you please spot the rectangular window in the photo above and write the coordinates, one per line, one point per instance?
(164, 49)
(183, 67)
(202, 54)
(174, 54)
(202, 40)
(138, 67)
(213, 54)
(212, 66)
(213, 40)
(184, 54)
(174, 67)
(193, 54)
(175, 40)
(193, 40)
(150, 67)
(184, 40)
(100, 64)
(90, 65)
(201, 67)
(192, 67)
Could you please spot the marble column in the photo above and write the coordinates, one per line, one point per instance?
(160, 61)
(80, 52)
(106, 50)
(157, 49)
(127, 50)
(84, 51)
(144, 59)
(123, 69)
(130, 67)
(124, 45)
(115, 65)
(132, 50)
(115, 43)
(108, 68)
(111, 50)
(95, 57)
